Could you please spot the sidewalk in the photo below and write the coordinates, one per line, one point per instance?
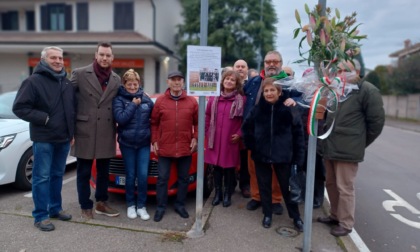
(225, 229)
(403, 124)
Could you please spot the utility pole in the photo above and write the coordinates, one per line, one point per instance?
(310, 170)
(259, 53)
(197, 229)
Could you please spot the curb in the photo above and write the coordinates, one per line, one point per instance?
(351, 242)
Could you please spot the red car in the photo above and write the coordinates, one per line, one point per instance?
(117, 175)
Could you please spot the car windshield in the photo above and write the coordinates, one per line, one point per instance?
(6, 104)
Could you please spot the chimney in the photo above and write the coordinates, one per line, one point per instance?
(407, 44)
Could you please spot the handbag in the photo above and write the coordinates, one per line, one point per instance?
(296, 185)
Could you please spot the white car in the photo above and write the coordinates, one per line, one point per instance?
(16, 157)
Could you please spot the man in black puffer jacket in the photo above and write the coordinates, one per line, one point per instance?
(46, 100)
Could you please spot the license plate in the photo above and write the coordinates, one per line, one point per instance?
(120, 180)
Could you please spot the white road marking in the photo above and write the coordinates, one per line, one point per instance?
(390, 204)
(29, 195)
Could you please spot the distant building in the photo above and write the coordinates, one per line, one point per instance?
(408, 51)
(142, 33)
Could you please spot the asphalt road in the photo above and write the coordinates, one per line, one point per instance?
(388, 192)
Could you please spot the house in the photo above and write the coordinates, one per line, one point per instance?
(408, 51)
(142, 33)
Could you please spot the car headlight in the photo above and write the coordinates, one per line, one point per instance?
(6, 140)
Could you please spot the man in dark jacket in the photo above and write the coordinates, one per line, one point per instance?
(358, 122)
(96, 85)
(46, 100)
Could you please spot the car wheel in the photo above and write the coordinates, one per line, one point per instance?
(208, 181)
(23, 179)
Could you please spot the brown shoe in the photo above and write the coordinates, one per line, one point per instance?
(327, 220)
(87, 214)
(103, 208)
(340, 231)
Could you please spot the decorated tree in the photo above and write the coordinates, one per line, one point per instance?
(330, 38)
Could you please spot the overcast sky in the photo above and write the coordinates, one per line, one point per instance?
(387, 23)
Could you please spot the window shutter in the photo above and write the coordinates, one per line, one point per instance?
(45, 18)
(69, 18)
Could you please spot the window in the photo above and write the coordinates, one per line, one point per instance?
(82, 16)
(10, 21)
(56, 17)
(30, 20)
(124, 16)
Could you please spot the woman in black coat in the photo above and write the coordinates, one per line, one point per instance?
(274, 134)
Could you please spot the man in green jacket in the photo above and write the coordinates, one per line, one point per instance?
(358, 122)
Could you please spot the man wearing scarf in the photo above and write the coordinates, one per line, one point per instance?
(46, 100)
(96, 85)
(273, 62)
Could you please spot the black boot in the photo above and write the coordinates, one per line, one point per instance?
(319, 188)
(228, 174)
(218, 194)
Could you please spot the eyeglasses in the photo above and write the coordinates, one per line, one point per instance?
(274, 62)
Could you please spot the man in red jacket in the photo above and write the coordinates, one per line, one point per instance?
(174, 124)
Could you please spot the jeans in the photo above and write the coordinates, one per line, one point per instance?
(264, 172)
(47, 178)
(164, 170)
(84, 168)
(136, 163)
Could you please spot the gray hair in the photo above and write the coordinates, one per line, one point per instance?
(46, 49)
(274, 52)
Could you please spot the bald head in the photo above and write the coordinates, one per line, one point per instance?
(241, 67)
(288, 70)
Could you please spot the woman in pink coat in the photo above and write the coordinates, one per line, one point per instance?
(223, 133)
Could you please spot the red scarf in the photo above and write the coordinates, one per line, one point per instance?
(102, 74)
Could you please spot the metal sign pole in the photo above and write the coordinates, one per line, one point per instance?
(197, 229)
(310, 170)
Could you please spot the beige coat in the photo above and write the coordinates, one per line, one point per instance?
(95, 126)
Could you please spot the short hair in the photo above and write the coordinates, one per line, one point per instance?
(251, 71)
(270, 82)
(46, 49)
(238, 81)
(274, 52)
(104, 44)
(226, 68)
(129, 75)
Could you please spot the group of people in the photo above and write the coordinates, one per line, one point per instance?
(254, 127)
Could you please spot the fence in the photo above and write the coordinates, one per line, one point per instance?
(403, 107)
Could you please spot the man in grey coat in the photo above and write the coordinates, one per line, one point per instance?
(358, 122)
(96, 85)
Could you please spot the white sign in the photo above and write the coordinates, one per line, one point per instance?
(203, 70)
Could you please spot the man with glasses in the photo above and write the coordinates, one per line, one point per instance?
(357, 123)
(273, 62)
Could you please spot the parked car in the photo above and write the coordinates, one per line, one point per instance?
(117, 174)
(16, 156)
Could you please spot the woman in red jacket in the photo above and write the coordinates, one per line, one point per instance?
(223, 133)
